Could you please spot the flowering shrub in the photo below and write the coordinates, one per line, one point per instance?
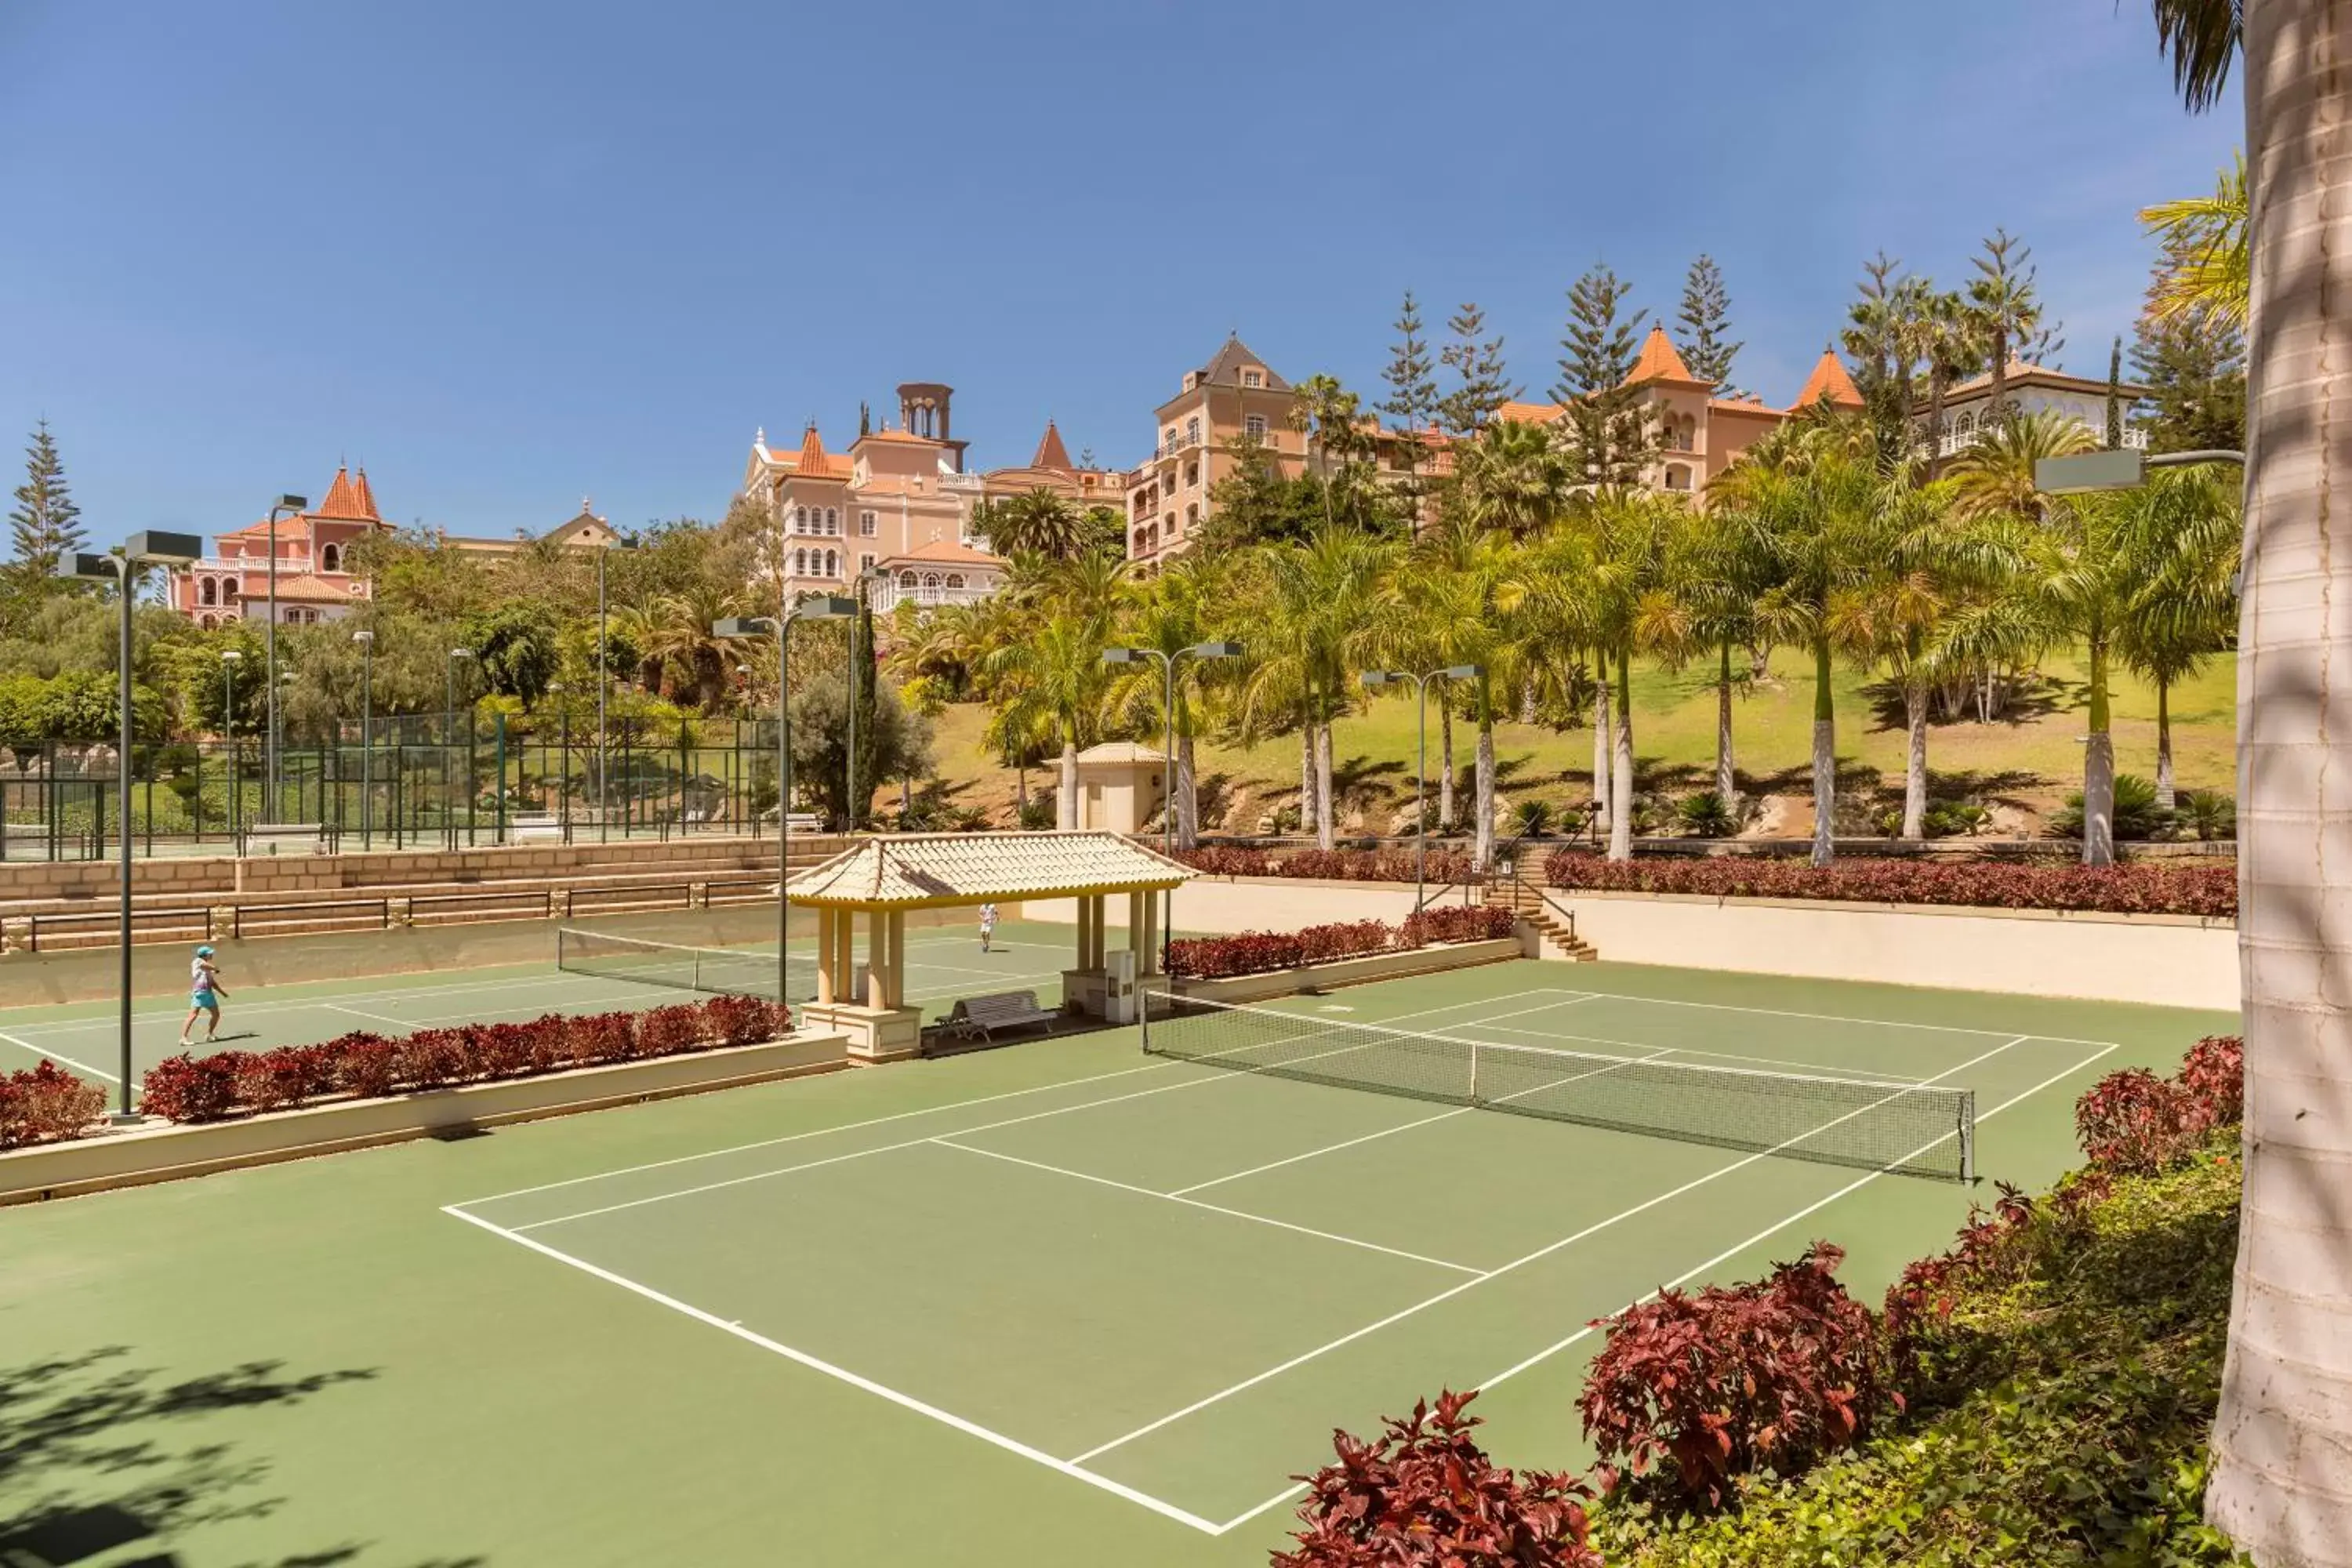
(1265, 952)
(43, 1102)
(2131, 889)
(1326, 864)
(239, 1083)
(1424, 1495)
(1769, 1375)
(2136, 1123)
(1996, 1247)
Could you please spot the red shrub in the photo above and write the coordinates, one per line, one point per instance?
(1218, 957)
(2142, 887)
(431, 1058)
(2213, 1074)
(45, 1102)
(1425, 1496)
(1221, 861)
(194, 1088)
(365, 1066)
(546, 1043)
(1455, 922)
(498, 1050)
(603, 1037)
(272, 1080)
(745, 1020)
(666, 1031)
(1351, 939)
(1767, 1375)
(2135, 1123)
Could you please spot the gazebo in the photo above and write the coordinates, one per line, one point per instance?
(886, 877)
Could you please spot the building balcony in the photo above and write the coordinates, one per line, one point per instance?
(1954, 442)
(890, 594)
(961, 484)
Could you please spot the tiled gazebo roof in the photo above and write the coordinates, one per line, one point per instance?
(928, 870)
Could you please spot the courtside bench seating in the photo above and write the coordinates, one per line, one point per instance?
(981, 1016)
(535, 828)
(286, 838)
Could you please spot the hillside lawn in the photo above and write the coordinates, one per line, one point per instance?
(2021, 765)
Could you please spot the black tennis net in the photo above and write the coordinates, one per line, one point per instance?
(611, 956)
(1921, 1129)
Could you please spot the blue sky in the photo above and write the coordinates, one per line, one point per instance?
(510, 254)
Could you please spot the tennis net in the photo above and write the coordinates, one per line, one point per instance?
(1924, 1130)
(713, 968)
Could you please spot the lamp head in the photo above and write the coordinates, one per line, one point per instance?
(363, 638)
(292, 503)
(742, 627)
(1216, 650)
(1375, 679)
(1462, 672)
(230, 656)
(461, 653)
(823, 607)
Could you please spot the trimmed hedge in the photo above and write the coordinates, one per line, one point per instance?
(362, 1065)
(45, 1103)
(1328, 865)
(2129, 888)
(1267, 952)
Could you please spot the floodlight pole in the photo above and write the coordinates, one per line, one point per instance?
(283, 504)
(1375, 679)
(1167, 757)
(229, 658)
(366, 639)
(140, 549)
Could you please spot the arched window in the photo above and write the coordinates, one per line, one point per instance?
(906, 580)
(832, 520)
(207, 621)
(228, 590)
(1965, 423)
(800, 562)
(1678, 477)
(207, 591)
(832, 564)
(330, 558)
(930, 580)
(799, 520)
(955, 579)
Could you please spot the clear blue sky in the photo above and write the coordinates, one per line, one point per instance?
(508, 254)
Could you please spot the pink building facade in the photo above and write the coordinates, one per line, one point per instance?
(315, 580)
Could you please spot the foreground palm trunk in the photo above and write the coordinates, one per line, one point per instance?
(1824, 759)
(1914, 760)
(1069, 784)
(1323, 802)
(1726, 779)
(1621, 766)
(1483, 808)
(1308, 814)
(1601, 745)
(2099, 767)
(2281, 1477)
(1187, 801)
(1445, 762)
(2167, 796)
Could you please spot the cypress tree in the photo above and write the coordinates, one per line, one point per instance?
(1705, 320)
(2115, 393)
(1480, 382)
(865, 418)
(1412, 401)
(1607, 430)
(46, 521)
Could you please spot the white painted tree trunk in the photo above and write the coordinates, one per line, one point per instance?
(1307, 812)
(1621, 771)
(2099, 799)
(1324, 814)
(1069, 803)
(1727, 778)
(1600, 747)
(2167, 795)
(1914, 760)
(1483, 805)
(1824, 761)
(1187, 800)
(2281, 1477)
(1446, 763)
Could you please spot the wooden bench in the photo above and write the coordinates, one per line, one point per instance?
(286, 838)
(981, 1016)
(540, 827)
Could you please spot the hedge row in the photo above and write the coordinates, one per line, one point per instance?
(1329, 865)
(241, 1083)
(45, 1103)
(1266, 952)
(2131, 888)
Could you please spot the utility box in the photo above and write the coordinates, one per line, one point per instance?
(1119, 986)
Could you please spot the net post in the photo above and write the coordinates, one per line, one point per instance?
(1473, 1072)
(1969, 1136)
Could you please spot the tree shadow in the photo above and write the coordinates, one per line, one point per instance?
(1353, 775)
(2035, 696)
(92, 1461)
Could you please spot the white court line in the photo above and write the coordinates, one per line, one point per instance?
(902, 1115)
(313, 1002)
(60, 1056)
(1212, 1208)
(382, 1018)
(1841, 1018)
(1545, 1251)
(1678, 1050)
(1779, 1225)
(905, 1401)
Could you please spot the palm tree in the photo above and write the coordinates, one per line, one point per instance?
(1511, 476)
(1631, 605)
(2006, 309)
(1995, 477)
(1309, 621)
(678, 627)
(1053, 680)
(1716, 575)
(1452, 605)
(2208, 263)
(1035, 522)
(2187, 605)
(2281, 1477)
(1188, 603)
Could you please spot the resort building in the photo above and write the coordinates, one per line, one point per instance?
(315, 582)
(898, 507)
(1235, 396)
(2031, 389)
(584, 531)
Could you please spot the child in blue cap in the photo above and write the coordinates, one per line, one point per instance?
(204, 992)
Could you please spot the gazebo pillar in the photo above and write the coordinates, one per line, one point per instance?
(877, 959)
(825, 987)
(880, 1025)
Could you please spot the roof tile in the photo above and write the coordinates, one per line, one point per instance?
(945, 869)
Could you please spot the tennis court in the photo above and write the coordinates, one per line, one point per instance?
(1166, 1280)
(608, 972)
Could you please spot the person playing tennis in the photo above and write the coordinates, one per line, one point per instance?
(987, 925)
(204, 992)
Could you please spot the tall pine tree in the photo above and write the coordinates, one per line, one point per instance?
(2194, 367)
(1606, 429)
(46, 521)
(1705, 319)
(1412, 401)
(1481, 386)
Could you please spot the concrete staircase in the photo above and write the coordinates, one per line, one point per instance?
(1556, 932)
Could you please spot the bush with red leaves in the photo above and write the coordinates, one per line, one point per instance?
(1328, 865)
(1425, 1496)
(2143, 888)
(1691, 1391)
(43, 1102)
(2136, 1123)
(1455, 922)
(2213, 1074)
(238, 1083)
(1995, 1247)
(1269, 952)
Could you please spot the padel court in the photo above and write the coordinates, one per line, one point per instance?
(608, 974)
(1168, 1280)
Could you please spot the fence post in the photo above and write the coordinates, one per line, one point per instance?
(501, 785)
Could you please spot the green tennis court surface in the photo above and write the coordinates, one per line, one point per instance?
(1062, 1303)
(942, 963)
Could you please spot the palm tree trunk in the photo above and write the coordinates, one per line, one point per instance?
(1914, 759)
(1726, 777)
(1021, 790)
(2167, 797)
(1482, 799)
(1066, 814)
(1601, 796)
(1307, 813)
(1621, 771)
(2281, 1477)
(1824, 758)
(1325, 826)
(1445, 762)
(1187, 803)
(2099, 766)
(1936, 387)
